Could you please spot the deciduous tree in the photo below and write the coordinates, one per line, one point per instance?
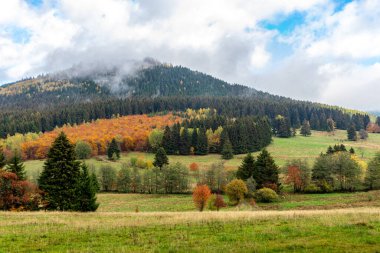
(201, 194)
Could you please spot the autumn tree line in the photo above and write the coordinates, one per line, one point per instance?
(46, 119)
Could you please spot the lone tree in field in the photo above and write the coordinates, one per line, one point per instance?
(59, 178)
(86, 192)
(16, 166)
(330, 125)
(201, 194)
(113, 151)
(160, 158)
(247, 168)
(305, 129)
(351, 133)
(82, 150)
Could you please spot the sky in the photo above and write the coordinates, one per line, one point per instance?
(319, 50)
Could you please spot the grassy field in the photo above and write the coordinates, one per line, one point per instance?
(343, 230)
(282, 149)
(181, 202)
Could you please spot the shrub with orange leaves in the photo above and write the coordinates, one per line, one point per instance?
(194, 167)
(201, 194)
(294, 177)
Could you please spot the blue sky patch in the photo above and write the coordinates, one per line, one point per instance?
(285, 24)
(340, 4)
(35, 3)
(19, 35)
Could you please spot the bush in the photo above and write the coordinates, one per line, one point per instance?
(236, 190)
(312, 188)
(266, 195)
(216, 202)
(200, 196)
(82, 150)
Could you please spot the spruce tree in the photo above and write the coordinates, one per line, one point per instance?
(16, 166)
(352, 150)
(247, 168)
(184, 145)
(227, 151)
(351, 133)
(372, 178)
(176, 138)
(160, 158)
(266, 170)
(86, 192)
(167, 142)
(305, 129)
(2, 159)
(113, 151)
(202, 147)
(60, 175)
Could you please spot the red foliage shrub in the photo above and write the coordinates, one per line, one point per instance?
(272, 186)
(194, 167)
(201, 194)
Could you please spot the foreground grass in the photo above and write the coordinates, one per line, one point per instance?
(343, 230)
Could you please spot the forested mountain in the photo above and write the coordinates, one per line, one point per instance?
(73, 86)
(44, 102)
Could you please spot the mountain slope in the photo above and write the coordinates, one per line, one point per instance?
(70, 86)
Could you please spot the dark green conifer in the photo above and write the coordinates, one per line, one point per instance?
(113, 150)
(247, 168)
(15, 165)
(60, 175)
(202, 147)
(184, 145)
(86, 192)
(160, 158)
(227, 151)
(351, 133)
(266, 170)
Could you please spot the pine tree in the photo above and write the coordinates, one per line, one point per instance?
(2, 159)
(330, 150)
(202, 147)
(167, 142)
(86, 192)
(247, 168)
(113, 150)
(16, 166)
(160, 158)
(223, 137)
(266, 170)
(305, 129)
(351, 133)
(372, 178)
(184, 145)
(352, 150)
(59, 178)
(176, 138)
(95, 182)
(227, 151)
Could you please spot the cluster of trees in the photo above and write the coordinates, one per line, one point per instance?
(335, 170)
(168, 179)
(259, 173)
(352, 135)
(224, 136)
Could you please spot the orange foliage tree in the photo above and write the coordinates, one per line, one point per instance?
(131, 132)
(294, 177)
(201, 194)
(194, 167)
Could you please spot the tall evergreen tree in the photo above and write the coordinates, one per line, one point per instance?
(160, 158)
(194, 139)
(185, 143)
(167, 141)
(351, 133)
(202, 147)
(59, 178)
(266, 170)
(113, 150)
(15, 165)
(305, 129)
(227, 151)
(86, 192)
(247, 168)
(176, 137)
